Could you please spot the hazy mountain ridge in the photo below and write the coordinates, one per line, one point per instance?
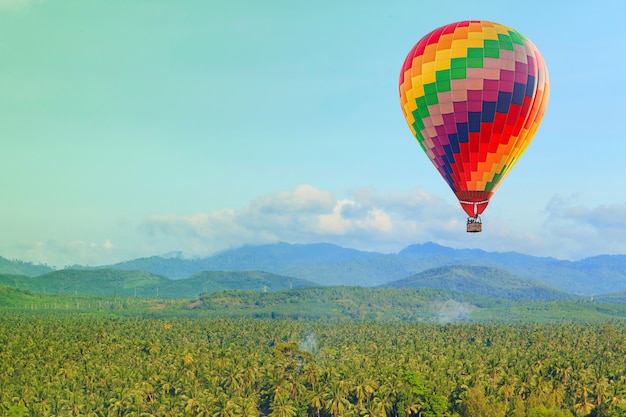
(276, 258)
(17, 267)
(595, 275)
(328, 264)
(477, 280)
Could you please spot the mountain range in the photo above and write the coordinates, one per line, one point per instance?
(508, 274)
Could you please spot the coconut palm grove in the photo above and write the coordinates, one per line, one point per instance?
(85, 364)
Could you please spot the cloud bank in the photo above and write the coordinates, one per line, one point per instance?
(362, 219)
(586, 231)
(387, 222)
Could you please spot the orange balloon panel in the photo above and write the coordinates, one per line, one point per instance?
(473, 94)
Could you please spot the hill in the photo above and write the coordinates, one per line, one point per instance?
(13, 297)
(335, 303)
(481, 280)
(613, 298)
(113, 282)
(17, 267)
(407, 304)
(93, 282)
(212, 281)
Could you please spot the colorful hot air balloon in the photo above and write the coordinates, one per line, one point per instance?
(473, 94)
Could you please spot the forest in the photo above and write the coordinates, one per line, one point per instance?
(84, 364)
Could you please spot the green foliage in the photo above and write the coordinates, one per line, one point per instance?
(17, 410)
(475, 403)
(415, 382)
(421, 400)
(436, 406)
(615, 409)
(543, 411)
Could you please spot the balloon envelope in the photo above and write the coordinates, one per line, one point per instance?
(473, 94)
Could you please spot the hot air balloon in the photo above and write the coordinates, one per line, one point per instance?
(473, 94)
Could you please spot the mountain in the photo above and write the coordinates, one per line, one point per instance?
(327, 264)
(361, 271)
(22, 268)
(481, 280)
(339, 266)
(595, 275)
(276, 258)
(113, 282)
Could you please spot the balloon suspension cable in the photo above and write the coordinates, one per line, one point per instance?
(475, 204)
(474, 224)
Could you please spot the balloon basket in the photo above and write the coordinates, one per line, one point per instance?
(474, 225)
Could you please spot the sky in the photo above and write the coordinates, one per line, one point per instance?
(149, 127)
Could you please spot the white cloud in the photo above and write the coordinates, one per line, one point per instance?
(63, 253)
(350, 216)
(584, 230)
(362, 219)
(602, 217)
(302, 199)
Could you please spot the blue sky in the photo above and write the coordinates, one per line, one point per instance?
(142, 128)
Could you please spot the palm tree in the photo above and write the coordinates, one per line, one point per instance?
(555, 392)
(507, 390)
(363, 389)
(601, 387)
(335, 401)
(225, 406)
(583, 406)
(282, 406)
(385, 397)
(316, 401)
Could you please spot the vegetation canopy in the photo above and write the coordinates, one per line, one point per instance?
(85, 365)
